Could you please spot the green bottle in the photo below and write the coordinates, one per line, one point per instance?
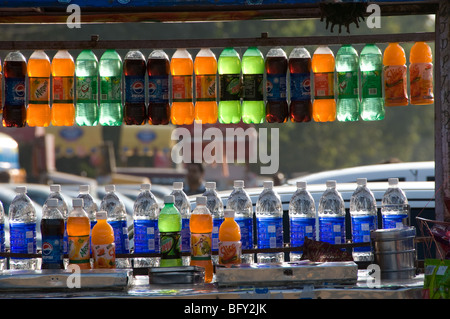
(169, 225)
(86, 74)
(230, 83)
(253, 67)
(110, 69)
(347, 63)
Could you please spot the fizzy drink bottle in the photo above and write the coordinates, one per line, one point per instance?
(134, 69)
(205, 68)
(79, 231)
(363, 213)
(300, 108)
(394, 206)
(215, 206)
(63, 71)
(39, 70)
(324, 105)
(103, 245)
(158, 69)
(22, 230)
(347, 61)
(201, 226)
(169, 225)
(371, 68)
(15, 71)
(276, 65)
(86, 76)
(394, 62)
(52, 230)
(253, 108)
(1, 88)
(110, 70)
(421, 74)
(230, 246)
(302, 219)
(184, 207)
(3, 260)
(182, 68)
(331, 213)
(230, 85)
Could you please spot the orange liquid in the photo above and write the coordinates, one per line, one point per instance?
(103, 238)
(229, 230)
(183, 112)
(324, 110)
(230, 247)
(63, 114)
(38, 112)
(78, 227)
(202, 224)
(394, 62)
(206, 111)
(421, 74)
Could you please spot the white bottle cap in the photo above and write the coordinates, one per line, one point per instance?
(21, 189)
(201, 200)
(55, 188)
(239, 183)
(301, 184)
(84, 188)
(101, 215)
(77, 202)
(210, 185)
(228, 213)
(110, 188)
(169, 199)
(361, 181)
(268, 184)
(178, 185)
(52, 202)
(145, 187)
(331, 183)
(393, 181)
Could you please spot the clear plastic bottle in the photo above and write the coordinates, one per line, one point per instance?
(110, 70)
(363, 213)
(269, 224)
(89, 204)
(331, 213)
(215, 206)
(146, 235)
(302, 219)
(394, 206)
(86, 77)
(184, 207)
(3, 260)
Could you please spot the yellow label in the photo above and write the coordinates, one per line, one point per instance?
(79, 249)
(39, 90)
(104, 256)
(201, 245)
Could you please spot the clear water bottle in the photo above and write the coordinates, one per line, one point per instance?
(3, 260)
(363, 213)
(240, 202)
(184, 207)
(215, 206)
(145, 221)
(89, 204)
(302, 219)
(117, 218)
(394, 206)
(331, 213)
(22, 228)
(269, 224)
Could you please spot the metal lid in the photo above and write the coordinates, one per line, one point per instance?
(393, 233)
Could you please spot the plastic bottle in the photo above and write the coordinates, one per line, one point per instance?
(253, 108)
(241, 204)
(103, 245)
(15, 70)
(394, 206)
(371, 68)
(421, 74)
(347, 62)
(63, 107)
(158, 69)
(205, 68)
(324, 105)
(89, 204)
(230, 84)
(302, 219)
(363, 213)
(276, 65)
(39, 70)
(117, 218)
(3, 260)
(134, 69)
(230, 246)
(79, 231)
(146, 237)
(22, 230)
(215, 206)
(201, 226)
(394, 62)
(184, 207)
(1, 89)
(169, 225)
(182, 68)
(52, 230)
(300, 108)
(331, 213)
(86, 76)
(110, 70)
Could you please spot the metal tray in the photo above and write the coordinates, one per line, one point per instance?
(176, 275)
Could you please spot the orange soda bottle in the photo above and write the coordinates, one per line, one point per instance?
(230, 247)
(394, 67)
(63, 70)
(205, 68)
(78, 231)
(324, 105)
(421, 74)
(182, 68)
(103, 246)
(39, 69)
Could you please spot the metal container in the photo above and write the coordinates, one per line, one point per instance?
(176, 275)
(394, 252)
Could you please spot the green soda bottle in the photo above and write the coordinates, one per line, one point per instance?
(347, 106)
(230, 83)
(169, 225)
(110, 69)
(253, 67)
(86, 75)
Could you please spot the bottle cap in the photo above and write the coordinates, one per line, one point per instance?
(239, 183)
(55, 188)
(201, 200)
(331, 183)
(361, 181)
(227, 213)
(210, 185)
(84, 189)
(178, 185)
(268, 184)
(393, 181)
(101, 215)
(301, 184)
(145, 187)
(52, 202)
(77, 202)
(21, 189)
(169, 199)
(110, 188)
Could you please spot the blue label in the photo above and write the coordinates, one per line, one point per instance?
(246, 226)
(65, 239)
(2, 239)
(120, 236)
(15, 91)
(185, 235)
(301, 227)
(215, 233)
(158, 89)
(361, 228)
(332, 230)
(300, 86)
(134, 89)
(270, 232)
(276, 87)
(146, 236)
(23, 238)
(393, 220)
(52, 249)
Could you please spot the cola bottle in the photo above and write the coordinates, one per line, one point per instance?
(276, 68)
(158, 69)
(134, 68)
(300, 108)
(14, 109)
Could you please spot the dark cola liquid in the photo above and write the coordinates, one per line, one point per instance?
(276, 106)
(300, 109)
(14, 110)
(158, 70)
(135, 111)
(52, 243)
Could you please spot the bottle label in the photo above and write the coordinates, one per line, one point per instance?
(39, 90)
(23, 238)
(361, 228)
(63, 89)
(170, 245)
(52, 250)
(182, 88)
(158, 89)
(120, 236)
(300, 86)
(15, 91)
(110, 89)
(421, 81)
(185, 235)
(371, 84)
(347, 85)
(253, 87)
(270, 232)
(79, 249)
(2, 239)
(230, 87)
(332, 230)
(324, 85)
(134, 89)
(146, 236)
(104, 256)
(395, 84)
(205, 87)
(246, 226)
(393, 220)
(201, 245)
(301, 227)
(230, 252)
(276, 87)
(215, 234)
(87, 89)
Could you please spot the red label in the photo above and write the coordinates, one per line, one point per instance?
(324, 85)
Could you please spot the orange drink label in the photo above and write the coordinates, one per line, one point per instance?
(206, 87)
(421, 81)
(39, 90)
(104, 256)
(79, 249)
(201, 245)
(63, 89)
(230, 252)
(395, 84)
(182, 88)
(324, 85)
